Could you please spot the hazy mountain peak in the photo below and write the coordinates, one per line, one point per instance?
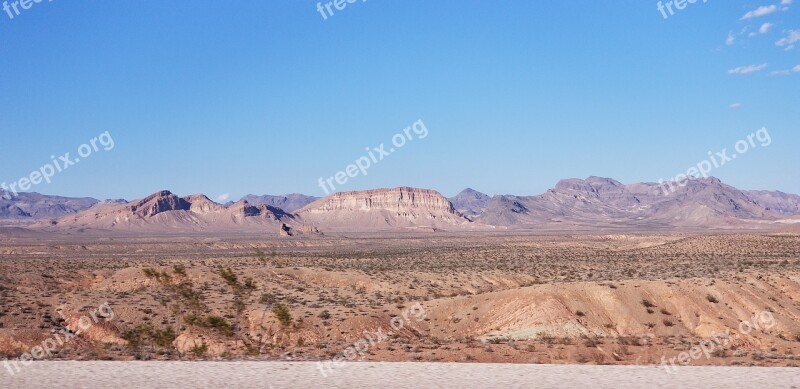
(289, 202)
(470, 202)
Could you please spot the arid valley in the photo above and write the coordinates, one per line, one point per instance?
(405, 194)
(484, 297)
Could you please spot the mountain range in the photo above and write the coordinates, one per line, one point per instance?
(595, 203)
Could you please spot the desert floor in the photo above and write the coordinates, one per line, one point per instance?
(603, 299)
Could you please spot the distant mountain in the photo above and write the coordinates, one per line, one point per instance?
(31, 206)
(470, 202)
(288, 203)
(166, 212)
(595, 203)
(384, 209)
(782, 203)
(604, 202)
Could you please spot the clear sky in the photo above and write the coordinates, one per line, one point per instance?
(265, 97)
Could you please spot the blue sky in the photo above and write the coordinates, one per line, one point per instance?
(267, 96)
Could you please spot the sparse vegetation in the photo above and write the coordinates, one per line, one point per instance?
(145, 334)
(199, 350)
(282, 314)
(229, 276)
(179, 270)
(221, 300)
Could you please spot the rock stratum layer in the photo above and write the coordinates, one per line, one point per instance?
(379, 209)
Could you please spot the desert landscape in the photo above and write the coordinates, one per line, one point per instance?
(404, 275)
(405, 194)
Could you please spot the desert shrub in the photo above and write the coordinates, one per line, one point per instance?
(179, 270)
(199, 350)
(219, 324)
(267, 298)
(228, 275)
(150, 273)
(216, 323)
(145, 334)
(591, 342)
(580, 313)
(283, 315)
(712, 299)
(647, 303)
(192, 298)
(325, 315)
(239, 305)
(163, 338)
(668, 323)
(719, 353)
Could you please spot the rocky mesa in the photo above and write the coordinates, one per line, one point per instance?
(381, 209)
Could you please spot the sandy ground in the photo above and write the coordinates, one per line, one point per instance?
(275, 375)
(505, 298)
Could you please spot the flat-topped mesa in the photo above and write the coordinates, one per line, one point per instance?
(395, 199)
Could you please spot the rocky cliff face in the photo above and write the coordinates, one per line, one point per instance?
(157, 203)
(396, 199)
(383, 209)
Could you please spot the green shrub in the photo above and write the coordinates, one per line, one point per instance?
(229, 277)
(283, 315)
(198, 351)
(179, 270)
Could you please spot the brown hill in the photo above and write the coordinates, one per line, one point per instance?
(165, 212)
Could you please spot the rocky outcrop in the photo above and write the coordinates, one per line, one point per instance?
(379, 209)
(400, 199)
(201, 204)
(157, 203)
